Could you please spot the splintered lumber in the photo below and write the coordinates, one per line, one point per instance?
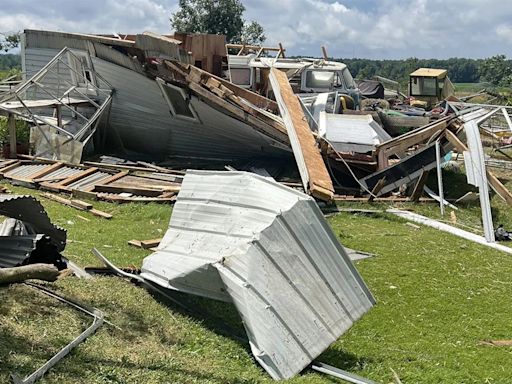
(145, 244)
(77, 204)
(401, 143)
(496, 185)
(313, 172)
(497, 343)
(380, 184)
(99, 213)
(47, 272)
(135, 243)
(418, 188)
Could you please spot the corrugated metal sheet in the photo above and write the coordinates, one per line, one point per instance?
(352, 133)
(14, 250)
(139, 112)
(240, 237)
(63, 172)
(92, 179)
(29, 210)
(25, 171)
(478, 176)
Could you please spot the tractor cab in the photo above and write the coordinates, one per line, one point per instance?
(428, 86)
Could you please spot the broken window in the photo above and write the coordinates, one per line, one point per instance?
(177, 100)
(319, 79)
(240, 76)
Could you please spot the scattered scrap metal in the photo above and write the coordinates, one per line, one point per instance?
(27, 236)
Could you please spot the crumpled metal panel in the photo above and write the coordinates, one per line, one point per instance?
(14, 250)
(240, 237)
(29, 210)
(352, 133)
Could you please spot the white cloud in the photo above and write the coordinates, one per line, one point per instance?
(505, 32)
(364, 28)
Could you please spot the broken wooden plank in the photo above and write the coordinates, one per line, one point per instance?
(77, 204)
(254, 98)
(497, 343)
(115, 177)
(417, 136)
(496, 185)
(314, 174)
(418, 187)
(135, 243)
(129, 189)
(99, 213)
(147, 244)
(376, 189)
(275, 131)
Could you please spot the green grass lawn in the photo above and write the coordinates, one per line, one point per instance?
(437, 297)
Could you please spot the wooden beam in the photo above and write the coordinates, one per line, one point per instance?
(12, 135)
(255, 98)
(417, 136)
(418, 188)
(241, 115)
(133, 190)
(314, 174)
(376, 189)
(10, 167)
(77, 204)
(496, 185)
(146, 244)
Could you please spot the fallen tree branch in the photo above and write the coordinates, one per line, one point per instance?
(47, 272)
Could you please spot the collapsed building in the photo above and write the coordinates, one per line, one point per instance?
(233, 236)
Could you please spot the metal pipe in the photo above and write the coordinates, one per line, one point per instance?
(340, 373)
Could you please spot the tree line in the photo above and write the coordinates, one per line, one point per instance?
(460, 70)
(227, 17)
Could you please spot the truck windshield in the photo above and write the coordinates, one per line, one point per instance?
(348, 79)
(319, 79)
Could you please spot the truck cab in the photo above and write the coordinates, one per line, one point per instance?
(308, 77)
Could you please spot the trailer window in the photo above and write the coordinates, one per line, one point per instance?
(240, 76)
(319, 79)
(177, 100)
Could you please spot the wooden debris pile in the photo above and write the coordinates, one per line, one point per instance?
(98, 181)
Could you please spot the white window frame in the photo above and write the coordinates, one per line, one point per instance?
(161, 83)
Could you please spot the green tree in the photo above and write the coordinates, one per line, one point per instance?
(497, 70)
(252, 34)
(9, 41)
(222, 17)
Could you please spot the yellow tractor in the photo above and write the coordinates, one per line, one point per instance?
(428, 86)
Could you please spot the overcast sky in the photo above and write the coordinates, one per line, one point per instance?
(376, 29)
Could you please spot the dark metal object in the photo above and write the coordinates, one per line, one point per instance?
(405, 171)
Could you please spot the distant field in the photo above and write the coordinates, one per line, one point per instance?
(470, 87)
